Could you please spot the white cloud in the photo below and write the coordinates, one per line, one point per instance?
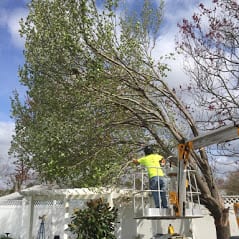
(223, 165)
(13, 26)
(175, 11)
(10, 19)
(6, 132)
(6, 166)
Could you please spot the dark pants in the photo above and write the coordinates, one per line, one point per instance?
(158, 184)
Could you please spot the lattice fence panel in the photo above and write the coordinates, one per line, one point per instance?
(10, 203)
(49, 203)
(230, 200)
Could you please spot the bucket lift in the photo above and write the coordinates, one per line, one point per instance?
(183, 193)
(144, 205)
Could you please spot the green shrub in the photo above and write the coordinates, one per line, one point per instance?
(96, 221)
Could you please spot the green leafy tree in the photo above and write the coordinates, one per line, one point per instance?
(96, 93)
(75, 126)
(97, 221)
(69, 128)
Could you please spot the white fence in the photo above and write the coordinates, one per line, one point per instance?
(15, 216)
(11, 212)
(21, 218)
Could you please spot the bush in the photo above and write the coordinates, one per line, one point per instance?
(96, 221)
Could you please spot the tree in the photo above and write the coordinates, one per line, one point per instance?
(69, 94)
(95, 93)
(21, 176)
(98, 220)
(210, 41)
(213, 49)
(230, 184)
(6, 179)
(79, 95)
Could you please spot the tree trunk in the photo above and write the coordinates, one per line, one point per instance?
(223, 232)
(222, 225)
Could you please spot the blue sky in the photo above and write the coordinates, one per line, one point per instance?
(11, 57)
(12, 46)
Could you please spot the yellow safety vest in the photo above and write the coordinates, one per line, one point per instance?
(152, 163)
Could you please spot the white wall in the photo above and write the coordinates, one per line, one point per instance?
(11, 217)
(54, 221)
(14, 218)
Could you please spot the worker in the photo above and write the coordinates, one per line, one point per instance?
(157, 180)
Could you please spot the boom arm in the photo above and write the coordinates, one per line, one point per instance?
(220, 135)
(217, 136)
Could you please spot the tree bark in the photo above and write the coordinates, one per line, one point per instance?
(223, 232)
(222, 225)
